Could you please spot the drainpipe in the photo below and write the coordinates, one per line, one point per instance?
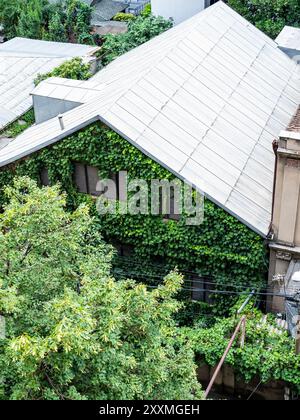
(275, 146)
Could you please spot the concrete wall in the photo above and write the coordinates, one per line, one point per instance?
(46, 108)
(178, 10)
(286, 218)
(285, 247)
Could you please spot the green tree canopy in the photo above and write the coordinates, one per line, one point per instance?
(140, 30)
(72, 331)
(30, 22)
(269, 15)
(22, 17)
(64, 21)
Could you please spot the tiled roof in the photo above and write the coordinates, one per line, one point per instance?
(295, 122)
(21, 60)
(105, 10)
(205, 100)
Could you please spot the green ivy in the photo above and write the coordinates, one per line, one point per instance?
(267, 353)
(221, 247)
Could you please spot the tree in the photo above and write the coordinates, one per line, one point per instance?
(78, 17)
(30, 19)
(72, 331)
(65, 20)
(269, 15)
(140, 30)
(22, 17)
(9, 16)
(56, 29)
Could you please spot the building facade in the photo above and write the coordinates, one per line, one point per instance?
(284, 276)
(203, 103)
(179, 10)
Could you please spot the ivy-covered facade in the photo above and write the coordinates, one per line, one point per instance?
(221, 248)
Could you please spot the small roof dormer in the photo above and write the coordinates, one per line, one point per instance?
(289, 42)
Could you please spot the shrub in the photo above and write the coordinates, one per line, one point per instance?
(72, 69)
(123, 17)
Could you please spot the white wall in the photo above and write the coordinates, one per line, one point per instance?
(179, 10)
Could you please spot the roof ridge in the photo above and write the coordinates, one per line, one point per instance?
(209, 10)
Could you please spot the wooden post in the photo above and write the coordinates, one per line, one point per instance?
(230, 344)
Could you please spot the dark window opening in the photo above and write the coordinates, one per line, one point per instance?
(202, 289)
(123, 250)
(171, 207)
(88, 181)
(86, 178)
(44, 177)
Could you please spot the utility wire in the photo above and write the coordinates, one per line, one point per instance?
(186, 280)
(226, 292)
(245, 289)
(254, 390)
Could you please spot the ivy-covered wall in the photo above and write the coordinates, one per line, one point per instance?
(221, 247)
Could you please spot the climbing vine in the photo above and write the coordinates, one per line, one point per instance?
(268, 353)
(221, 247)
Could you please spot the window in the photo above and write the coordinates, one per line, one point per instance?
(44, 177)
(201, 289)
(123, 250)
(173, 212)
(87, 181)
(86, 178)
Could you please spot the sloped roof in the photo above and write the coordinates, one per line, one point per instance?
(21, 60)
(205, 99)
(105, 10)
(88, 2)
(294, 124)
(69, 90)
(289, 38)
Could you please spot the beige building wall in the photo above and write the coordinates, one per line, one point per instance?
(285, 244)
